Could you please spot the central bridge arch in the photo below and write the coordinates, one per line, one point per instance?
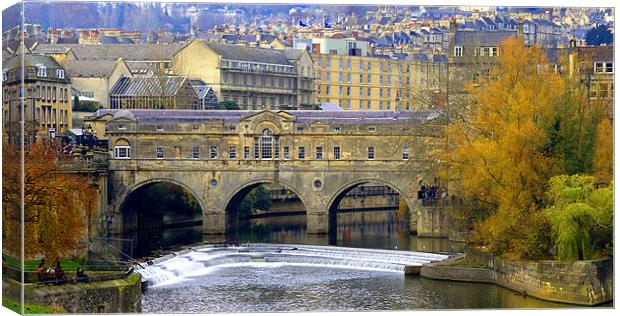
(234, 199)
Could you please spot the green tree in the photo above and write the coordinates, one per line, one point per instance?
(581, 217)
(227, 105)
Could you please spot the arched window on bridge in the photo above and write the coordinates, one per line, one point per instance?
(267, 142)
(122, 149)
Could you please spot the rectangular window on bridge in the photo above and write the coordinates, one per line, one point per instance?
(286, 153)
(302, 153)
(337, 152)
(371, 153)
(213, 152)
(159, 152)
(122, 152)
(319, 152)
(232, 152)
(196, 152)
(246, 152)
(405, 153)
(256, 148)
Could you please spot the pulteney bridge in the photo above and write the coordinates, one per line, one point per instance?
(219, 156)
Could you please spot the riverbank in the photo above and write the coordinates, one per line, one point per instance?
(587, 283)
(120, 295)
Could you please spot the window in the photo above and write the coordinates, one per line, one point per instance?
(368, 78)
(196, 152)
(60, 73)
(369, 66)
(286, 153)
(42, 71)
(302, 153)
(266, 144)
(458, 51)
(256, 147)
(348, 91)
(337, 152)
(340, 77)
(327, 90)
(122, 152)
(4, 77)
(368, 91)
(336, 128)
(368, 105)
(348, 63)
(213, 152)
(276, 147)
(372, 129)
(232, 152)
(348, 104)
(380, 79)
(405, 152)
(602, 67)
(371, 153)
(246, 152)
(159, 152)
(340, 91)
(319, 152)
(361, 78)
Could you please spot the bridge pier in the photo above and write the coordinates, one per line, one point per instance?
(317, 223)
(214, 223)
(432, 221)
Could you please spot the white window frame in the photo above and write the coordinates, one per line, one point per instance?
(213, 152)
(60, 73)
(41, 71)
(286, 153)
(458, 51)
(232, 152)
(117, 152)
(159, 152)
(405, 153)
(319, 152)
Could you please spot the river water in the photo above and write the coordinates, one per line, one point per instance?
(274, 287)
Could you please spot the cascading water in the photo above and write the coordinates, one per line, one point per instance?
(198, 261)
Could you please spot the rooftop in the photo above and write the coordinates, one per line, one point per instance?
(300, 116)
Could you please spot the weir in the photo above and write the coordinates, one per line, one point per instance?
(199, 260)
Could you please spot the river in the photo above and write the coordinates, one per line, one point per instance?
(274, 287)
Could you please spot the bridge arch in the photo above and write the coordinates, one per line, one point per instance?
(155, 217)
(233, 200)
(340, 193)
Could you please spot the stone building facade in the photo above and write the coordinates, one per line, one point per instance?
(254, 78)
(47, 97)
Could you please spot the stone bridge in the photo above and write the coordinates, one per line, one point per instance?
(219, 156)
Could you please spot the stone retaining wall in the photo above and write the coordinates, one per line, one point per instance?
(113, 296)
(582, 282)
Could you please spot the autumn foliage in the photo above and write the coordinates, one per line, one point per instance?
(517, 136)
(54, 217)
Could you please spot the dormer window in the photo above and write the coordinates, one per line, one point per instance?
(41, 71)
(602, 67)
(60, 73)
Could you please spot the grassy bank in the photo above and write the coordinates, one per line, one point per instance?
(30, 308)
(32, 264)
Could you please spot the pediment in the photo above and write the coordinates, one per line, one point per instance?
(268, 115)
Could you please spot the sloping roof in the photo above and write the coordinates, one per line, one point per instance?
(152, 86)
(130, 52)
(300, 116)
(482, 38)
(252, 54)
(30, 60)
(90, 68)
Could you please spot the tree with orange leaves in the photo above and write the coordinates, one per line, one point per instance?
(497, 153)
(54, 202)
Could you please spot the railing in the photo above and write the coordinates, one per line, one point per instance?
(85, 161)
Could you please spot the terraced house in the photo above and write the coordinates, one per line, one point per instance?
(254, 78)
(47, 97)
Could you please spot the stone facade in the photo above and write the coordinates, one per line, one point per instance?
(220, 155)
(254, 78)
